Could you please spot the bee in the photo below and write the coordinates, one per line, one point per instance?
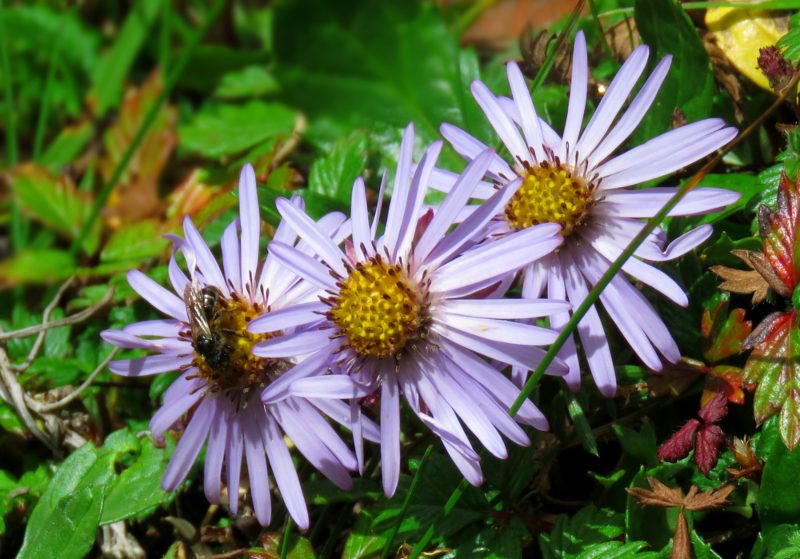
(202, 306)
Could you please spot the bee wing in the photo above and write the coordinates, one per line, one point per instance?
(193, 298)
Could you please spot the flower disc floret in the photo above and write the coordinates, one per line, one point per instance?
(549, 193)
(378, 309)
(223, 352)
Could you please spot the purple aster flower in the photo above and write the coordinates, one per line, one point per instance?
(574, 180)
(397, 315)
(206, 339)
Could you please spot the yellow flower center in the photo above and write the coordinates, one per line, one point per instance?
(379, 309)
(223, 353)
(549, 193)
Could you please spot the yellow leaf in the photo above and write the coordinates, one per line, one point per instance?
(740, 33)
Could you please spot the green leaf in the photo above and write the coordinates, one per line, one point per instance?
(76, 476)
(497, 542)
(780, 542)
(361, 542)
(138, 489)
(333, 174)
(87, 490)
(719, 252)
(108, 80)
(512, 476)
(251, 81)
(779, 496)
(37, 266)
(588, 526)
(642, 445)
(749, 186)
(791, 41)
(70, 529)
(221, 130)
(374, 65)
(324, 492)
(134, 244)
(667, 29)
(54, 201)
(618, 550)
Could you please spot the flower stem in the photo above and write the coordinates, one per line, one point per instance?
(387, 548)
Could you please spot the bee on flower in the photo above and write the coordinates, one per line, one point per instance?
(206, 338)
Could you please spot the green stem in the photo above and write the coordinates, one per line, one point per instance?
(172, 79)
(387, 548)
(285, 539)
(603, 38)
(12, 149)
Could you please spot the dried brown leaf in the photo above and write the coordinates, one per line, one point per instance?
(681, 541)
(659, 495)
(623, 38)
(711, 499)
(742, 281)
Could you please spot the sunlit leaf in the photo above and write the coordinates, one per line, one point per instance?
(220, 130)
(55, 201)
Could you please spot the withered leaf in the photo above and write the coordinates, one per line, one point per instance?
(707, 500)
(660, 495)
(742, 281)
(681, 541)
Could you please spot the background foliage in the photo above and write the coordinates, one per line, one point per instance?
(120, 119)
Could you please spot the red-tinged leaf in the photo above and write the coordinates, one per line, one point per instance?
(680, 444)
(136, 195)
(789, 419)
(779, 231)
(715, 409)
(726, 380)
(197, 198)
(706, 447)
(724, 332)
(765, 329)
(774, 365)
